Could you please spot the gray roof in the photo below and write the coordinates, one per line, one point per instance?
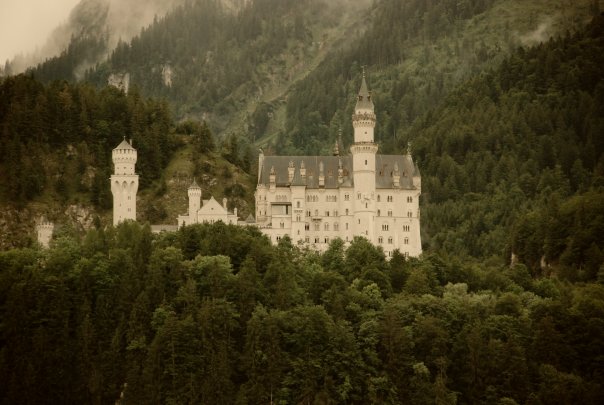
(383, 173)
(364, 99)
(124, 145)
(194, 185)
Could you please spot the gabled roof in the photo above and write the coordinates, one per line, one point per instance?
(212, 207)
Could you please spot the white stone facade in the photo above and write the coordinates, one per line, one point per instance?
(124, 182)
(315, 199)
(209, 212)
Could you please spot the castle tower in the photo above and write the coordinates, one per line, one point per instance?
(44, 230)
(363, 152)
(124, 182)
(194, 193)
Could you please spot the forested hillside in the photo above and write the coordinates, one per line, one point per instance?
(526, 136)
(213, 58)
(416, 52)
(216, 314)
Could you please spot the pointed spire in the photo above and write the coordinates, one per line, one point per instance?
(194, 185)
(364, 98)
(336, 149)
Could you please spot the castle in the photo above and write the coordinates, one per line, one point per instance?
(315, 199)
(312, 199)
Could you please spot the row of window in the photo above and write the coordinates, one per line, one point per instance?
(391, 240)
(332, 198)
(315, 198)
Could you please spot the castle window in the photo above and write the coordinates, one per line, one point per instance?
(282, 225)
(406, 241)
(346, 197)
(389, 199)
(336, 226)
(385, 227)
(306, 227)
(307, 239)
(379, 198)
(298, 218)
(358, 196)
(390, 240)
(308, 214)
(389, 213)
(409, 199)
(297, 204)
(278, 238)
(365, 160)
(409, 214)
(378, 213)
(316, 240)
(359, 222)
(346, 211)
(326, 213)
(317, 227)
(326, 240)
(405, 228)
(326, 226)
(335, 213)
(380, 240)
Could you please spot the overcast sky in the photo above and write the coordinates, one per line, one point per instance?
(25, 24)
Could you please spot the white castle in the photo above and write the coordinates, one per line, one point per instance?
(312, 199)
(315, 199)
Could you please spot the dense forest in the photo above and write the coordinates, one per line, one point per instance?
(216, 314)
(519, 150)
(194, 55)
(59, 137)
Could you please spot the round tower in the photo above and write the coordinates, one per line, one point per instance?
(194, 193)
(363, 152)
(124, 182)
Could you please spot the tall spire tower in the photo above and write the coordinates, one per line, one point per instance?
(363, 152)
(124, 182)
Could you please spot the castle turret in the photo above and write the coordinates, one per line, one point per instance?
(44, 230)
(124, 182)
(363, 152)
(194, 193)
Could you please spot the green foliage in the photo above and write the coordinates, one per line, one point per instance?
(216, 314)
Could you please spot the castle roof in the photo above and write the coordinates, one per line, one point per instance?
(124, 145)
(194, 185)
(364, 99)
(383, 171)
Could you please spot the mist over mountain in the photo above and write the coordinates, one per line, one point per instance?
(105, 20)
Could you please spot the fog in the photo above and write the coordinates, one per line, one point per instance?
(26, 24)
(39, 29)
